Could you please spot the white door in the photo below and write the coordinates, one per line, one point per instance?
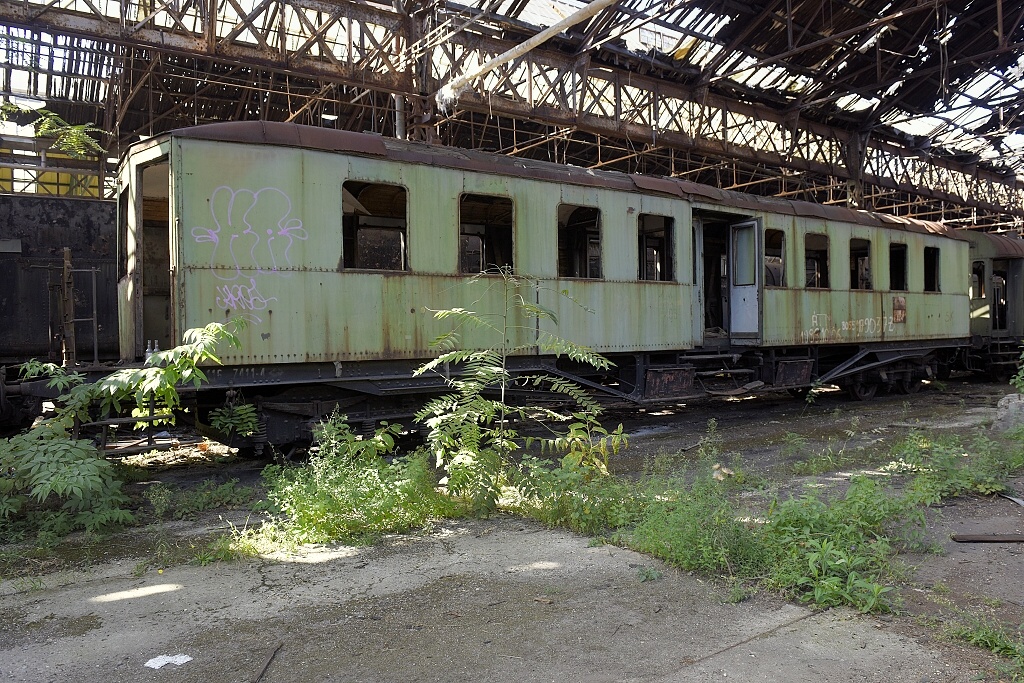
(745, 281)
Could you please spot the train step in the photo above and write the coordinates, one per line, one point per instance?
(738, 391)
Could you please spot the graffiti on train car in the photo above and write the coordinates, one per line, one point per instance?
(250, 231)
(824, 329)
(243, 297)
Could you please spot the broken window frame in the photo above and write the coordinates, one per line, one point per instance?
(932, 269)
(654, 248)
(898, 281)
(860, 264)
(774, 258)
(579, 253)
(819, 257)
(361, 225)
(494, 239)
(977, 280)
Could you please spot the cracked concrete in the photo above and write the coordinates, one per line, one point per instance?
(496, 600)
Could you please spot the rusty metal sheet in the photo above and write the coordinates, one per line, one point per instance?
(793, 373)
(41, 227)
(654, 184)
(1003, 246)
(661, 383)
(288, 135)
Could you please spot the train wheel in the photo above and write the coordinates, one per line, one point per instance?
(908, 385)
(862, 391)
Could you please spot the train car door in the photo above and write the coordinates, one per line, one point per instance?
(745, 282)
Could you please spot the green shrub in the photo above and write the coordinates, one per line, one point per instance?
(695, 526)
(576, 496)
(348, 491)
(44, 464)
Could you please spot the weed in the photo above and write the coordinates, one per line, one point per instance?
(28, 584)
(991, 636)
(647, 573)
(348, 491)
(209, 496)
(737, 593)
(575, 496)
(160, 497)
(694, 526)
(793, 445)
(220, 549)
(944, 467)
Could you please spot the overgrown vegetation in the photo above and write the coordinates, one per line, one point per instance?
(474, 428)
(53, 483)
(349, 490)
(990, 635)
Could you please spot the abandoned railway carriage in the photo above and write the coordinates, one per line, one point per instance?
(997, 304)
(335, 245)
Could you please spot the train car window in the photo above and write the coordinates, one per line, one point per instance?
(579, 241)
(744, 257)
(978, 280)
(485, 233)
(860, 264)
(774, 258)
(931, 269)
(898, 267)
(655, 247)
(374, 226)
(816, 261)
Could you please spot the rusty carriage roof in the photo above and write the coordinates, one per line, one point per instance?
(331, 140)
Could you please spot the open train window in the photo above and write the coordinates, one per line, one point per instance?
(898, 267)
(374, 226)
(485, 233)
(860, 264)
(978, 280)
(655, 247)
(579, 241)
(774, 258)
(816, 261)
(931, 269)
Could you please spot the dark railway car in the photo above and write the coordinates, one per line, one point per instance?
(47, 313)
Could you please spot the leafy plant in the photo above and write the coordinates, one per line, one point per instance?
(349, 491)
(45, 464)
(235, 418)
(1018, 378)
(992, 636)
(74, 140)
(472, 428)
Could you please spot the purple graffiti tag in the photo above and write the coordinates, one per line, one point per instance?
(241, 297)
(252, 230)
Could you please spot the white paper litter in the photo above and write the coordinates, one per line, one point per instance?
(160, 661)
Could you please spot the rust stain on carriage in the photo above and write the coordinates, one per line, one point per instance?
(899, 309)
(662, 383)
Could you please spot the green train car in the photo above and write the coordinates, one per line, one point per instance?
(336, 246)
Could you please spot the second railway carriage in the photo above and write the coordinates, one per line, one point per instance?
(997, 304)
(335, 245)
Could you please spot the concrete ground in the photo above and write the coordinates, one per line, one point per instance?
(491, 600)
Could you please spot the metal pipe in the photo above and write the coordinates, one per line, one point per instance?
(449, 93)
